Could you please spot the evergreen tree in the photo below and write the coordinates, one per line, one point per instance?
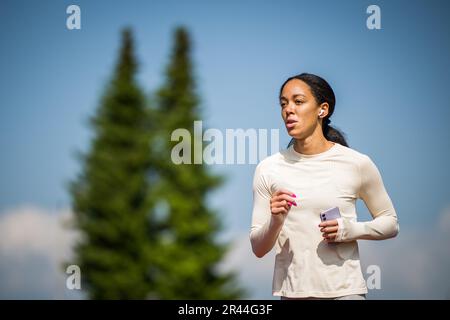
(111, 197)
(191, 253)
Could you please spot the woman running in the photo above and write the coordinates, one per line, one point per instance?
(317, 171)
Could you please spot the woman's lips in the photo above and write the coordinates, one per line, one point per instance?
(290, 124)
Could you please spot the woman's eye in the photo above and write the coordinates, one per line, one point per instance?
(298, 102)
(282, 104)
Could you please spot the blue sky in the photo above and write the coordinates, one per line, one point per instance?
(390, 84)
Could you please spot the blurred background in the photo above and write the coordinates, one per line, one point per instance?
(86, 116)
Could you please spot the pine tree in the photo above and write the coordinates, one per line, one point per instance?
(111, 197)
(188, 263)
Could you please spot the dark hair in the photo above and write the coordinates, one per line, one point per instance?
(322, 92)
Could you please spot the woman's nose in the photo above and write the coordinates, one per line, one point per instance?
(290, 108)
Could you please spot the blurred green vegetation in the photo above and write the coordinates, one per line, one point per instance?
(147, 232)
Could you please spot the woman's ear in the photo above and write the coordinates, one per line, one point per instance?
(323, 109)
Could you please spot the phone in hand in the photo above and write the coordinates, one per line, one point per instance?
(330, 214)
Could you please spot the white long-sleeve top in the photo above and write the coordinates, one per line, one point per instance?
(305, 265)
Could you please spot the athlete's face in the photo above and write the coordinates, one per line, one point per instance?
(300, 110)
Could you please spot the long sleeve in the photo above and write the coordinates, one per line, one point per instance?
(372, 191)
(265, 226)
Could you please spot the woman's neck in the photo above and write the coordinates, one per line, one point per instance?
(311, 146)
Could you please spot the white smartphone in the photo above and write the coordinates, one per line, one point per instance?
(330, 214)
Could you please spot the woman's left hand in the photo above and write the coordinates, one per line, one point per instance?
(329, 230)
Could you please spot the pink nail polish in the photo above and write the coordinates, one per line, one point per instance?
(294, 195)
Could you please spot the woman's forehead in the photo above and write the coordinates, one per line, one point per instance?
(294, 88)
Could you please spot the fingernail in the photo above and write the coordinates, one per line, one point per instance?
(294, 203)
(290, 203)
(294, 195)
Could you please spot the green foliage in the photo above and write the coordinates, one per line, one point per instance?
(111, 197)
(146, 229)
(191, 252)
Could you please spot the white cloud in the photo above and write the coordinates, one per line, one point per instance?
(255, 274)
(444, 221)
(33, 245)
(414, 265)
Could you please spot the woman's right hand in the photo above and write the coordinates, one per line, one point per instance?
(281, 202)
